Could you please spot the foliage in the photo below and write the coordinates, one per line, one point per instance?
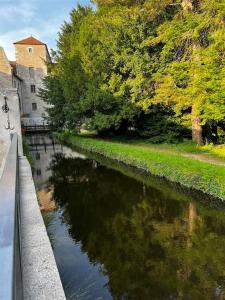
(218, 150)
(119, 60)
(160, 125)
(52, 94)
(192, 76)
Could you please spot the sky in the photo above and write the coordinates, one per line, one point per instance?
(40, 18)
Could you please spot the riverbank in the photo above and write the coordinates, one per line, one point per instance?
(174, 166)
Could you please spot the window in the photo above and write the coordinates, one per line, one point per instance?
(31, 72)
(38, 172)
(30, 49)
(34, 106)
(32, 88)
(38, 156)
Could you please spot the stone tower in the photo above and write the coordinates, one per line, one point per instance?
(31, 58)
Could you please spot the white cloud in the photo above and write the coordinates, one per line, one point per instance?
(45, 31)
(15, 14)
(22, 18)
(22, 11)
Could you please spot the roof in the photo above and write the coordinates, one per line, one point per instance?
(13, 66)
(32, 41)
(12, 63)
(29, 41)
(17, 77)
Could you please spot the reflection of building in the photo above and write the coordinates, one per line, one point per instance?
(43, 149)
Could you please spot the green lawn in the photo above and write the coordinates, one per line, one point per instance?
(209, 150)
(160, 160)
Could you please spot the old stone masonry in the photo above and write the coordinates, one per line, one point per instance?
(28, 268)
(20, 81)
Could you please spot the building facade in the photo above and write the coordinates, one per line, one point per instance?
(25, 74)
(9, 121)
(30, 66)
(20, 81)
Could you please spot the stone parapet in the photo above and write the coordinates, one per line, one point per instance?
(40, 274)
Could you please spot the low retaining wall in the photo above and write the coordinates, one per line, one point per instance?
(40, 274)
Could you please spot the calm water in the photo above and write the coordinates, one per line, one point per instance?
(117, 234)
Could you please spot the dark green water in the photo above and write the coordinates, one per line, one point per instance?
(117, 234)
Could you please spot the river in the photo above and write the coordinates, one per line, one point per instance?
(119, 234)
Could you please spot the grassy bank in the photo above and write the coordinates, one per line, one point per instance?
(208, 150)
(187, 171)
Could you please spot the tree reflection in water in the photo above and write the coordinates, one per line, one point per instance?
(152, 246)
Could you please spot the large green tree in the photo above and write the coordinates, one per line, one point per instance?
(192, 76)
(120, 60)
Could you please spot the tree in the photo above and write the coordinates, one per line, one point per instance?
(193, 65)
(119, 61)
(52, 94)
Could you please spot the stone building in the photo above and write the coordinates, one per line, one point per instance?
(30, 66)
(12, 95)
(20, 81)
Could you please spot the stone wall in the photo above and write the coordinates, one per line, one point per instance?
(41, 279)
(6, 89)
(31, 67)
(14, 116)
(5, 72)
(17, 83)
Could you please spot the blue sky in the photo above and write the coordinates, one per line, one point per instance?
(40, 18)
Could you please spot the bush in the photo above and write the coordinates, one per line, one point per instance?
(160, 125)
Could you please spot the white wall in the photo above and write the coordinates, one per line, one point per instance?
(14, 116)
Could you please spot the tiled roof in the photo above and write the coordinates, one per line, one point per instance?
(29, 41)
(13, 66)
(12, 63)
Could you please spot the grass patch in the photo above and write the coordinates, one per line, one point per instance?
(210, 150)
(191, 173)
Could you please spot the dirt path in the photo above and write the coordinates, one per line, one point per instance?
(201, 157)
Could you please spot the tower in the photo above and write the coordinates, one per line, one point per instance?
(31, 58)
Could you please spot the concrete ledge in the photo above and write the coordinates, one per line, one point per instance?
(40, 274)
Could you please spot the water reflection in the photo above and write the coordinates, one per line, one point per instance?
(115, 237)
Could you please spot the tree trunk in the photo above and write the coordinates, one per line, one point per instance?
(197, 137)
(197, 130)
